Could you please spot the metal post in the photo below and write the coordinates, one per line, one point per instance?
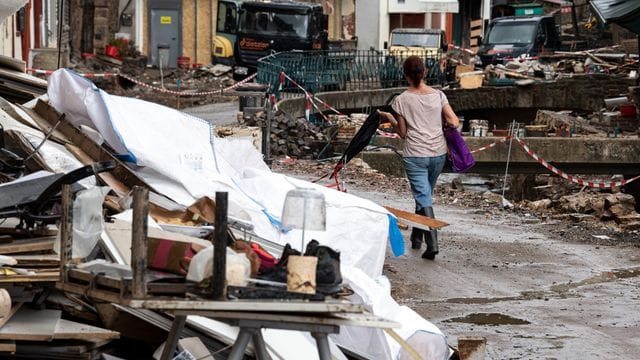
(240, 345)
(60, 20)
(259, 345)
(218, 281)
(267, 134)
(139, 241)
(324, 351)
(172, 338)
(66, 231)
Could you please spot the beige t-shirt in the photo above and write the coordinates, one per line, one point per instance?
(423, 114)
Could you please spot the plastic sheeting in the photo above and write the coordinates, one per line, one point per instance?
(179, 157)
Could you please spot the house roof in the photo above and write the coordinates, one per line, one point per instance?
(625, 13)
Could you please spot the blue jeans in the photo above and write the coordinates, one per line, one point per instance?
(422, 173)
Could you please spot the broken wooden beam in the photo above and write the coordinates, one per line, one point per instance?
(416, 220)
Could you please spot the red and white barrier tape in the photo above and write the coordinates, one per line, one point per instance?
(510, 58)
(188, 93)
(490, 145)
(452, 47)
(387, 134)
(89, 75)
(572, 178)
(312, 96)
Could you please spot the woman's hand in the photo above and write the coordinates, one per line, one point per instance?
(389, 117)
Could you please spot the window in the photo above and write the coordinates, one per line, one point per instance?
(227, 17)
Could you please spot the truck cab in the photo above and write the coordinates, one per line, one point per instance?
(415, 40)
(268, 27)
(513, 37)
(428, 44)
(226, 31)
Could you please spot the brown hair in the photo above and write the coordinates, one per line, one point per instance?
(413, 68)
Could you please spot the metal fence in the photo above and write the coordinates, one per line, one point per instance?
(337, 70)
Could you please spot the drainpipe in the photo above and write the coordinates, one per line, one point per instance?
(46, 23)
(211, 36)
(195, 31)
(139, 34)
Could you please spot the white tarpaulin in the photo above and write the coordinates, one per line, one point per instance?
(179, 157)
(9, 7)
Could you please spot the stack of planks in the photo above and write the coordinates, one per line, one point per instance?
(43, 334)
(26, 259)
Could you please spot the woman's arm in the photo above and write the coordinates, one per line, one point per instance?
(450, 118)
(398, 122)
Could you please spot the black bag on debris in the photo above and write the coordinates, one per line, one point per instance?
(328, 276)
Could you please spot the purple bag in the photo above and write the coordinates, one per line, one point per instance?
(459, 153)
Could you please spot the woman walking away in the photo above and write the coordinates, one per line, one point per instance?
(421, 111)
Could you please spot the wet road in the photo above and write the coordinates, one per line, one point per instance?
(531, 295)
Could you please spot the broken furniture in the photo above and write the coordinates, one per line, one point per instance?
(138, 288)
(29, 199)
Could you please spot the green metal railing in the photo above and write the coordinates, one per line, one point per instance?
(337, 70)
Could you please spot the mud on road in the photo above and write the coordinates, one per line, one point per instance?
(536, 288)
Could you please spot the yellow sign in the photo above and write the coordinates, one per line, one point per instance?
(166, 20)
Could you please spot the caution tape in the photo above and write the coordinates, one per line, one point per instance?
(452, 47)
(387, 134)
(187, 93)
(520, 58)
(312, 96)
(88, 75)
(490, 145)
(572, 178)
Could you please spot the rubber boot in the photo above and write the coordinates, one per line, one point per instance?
(430, 237)
(417, 234)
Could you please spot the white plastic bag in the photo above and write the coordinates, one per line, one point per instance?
(88, 220)
(237, 271)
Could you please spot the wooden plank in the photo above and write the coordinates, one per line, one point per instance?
(7, 346)
(71, 330)
(107, 177)
(139, 241)
(33, 325)
(475, 23)
(415, 220)
(44, 126)
(249, 305)
(476, 33)
(25, 79)
(14, 309)
(68, 347)
(461, 69)
(21, 233)
(41, 277)
(108, 296)
(37, 260)
(66, 231)
(474, 42)
(28, 245)
(94, 151)
(13, 63)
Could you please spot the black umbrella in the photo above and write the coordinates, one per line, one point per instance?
(360, 140)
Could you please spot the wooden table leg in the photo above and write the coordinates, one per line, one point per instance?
(172, 339)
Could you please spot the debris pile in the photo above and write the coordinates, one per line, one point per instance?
(80, 258)
(295, 136)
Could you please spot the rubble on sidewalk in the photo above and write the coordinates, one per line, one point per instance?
(176, 162)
